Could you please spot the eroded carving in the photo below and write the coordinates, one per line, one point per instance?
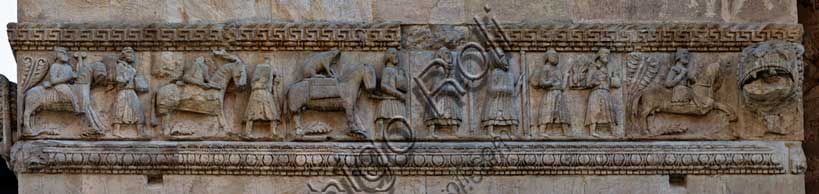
(262, 105)
(600, 111)
(502, 106)
(680, 93)
(393, 93)
(8, 116)
(553, 112)
(332, 92)
(770, 80)
(61, 87)
(128, 81)
(444, 103)
(200, 93)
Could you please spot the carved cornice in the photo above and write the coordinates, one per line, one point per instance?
(700, 37)
(516, 158)
(194, 37)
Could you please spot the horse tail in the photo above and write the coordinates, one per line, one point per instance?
(635, 103)
(153, 120)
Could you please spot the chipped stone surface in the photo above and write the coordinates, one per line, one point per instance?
(409, 12)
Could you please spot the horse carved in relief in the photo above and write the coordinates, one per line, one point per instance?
(338, 92)
(204, 97)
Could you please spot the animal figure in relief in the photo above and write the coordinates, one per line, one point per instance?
(699, 101)
(199, 92)
(318, 65)
(339, 92)
(61, 87)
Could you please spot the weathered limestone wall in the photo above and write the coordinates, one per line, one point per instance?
(611, 96)
(407, 12)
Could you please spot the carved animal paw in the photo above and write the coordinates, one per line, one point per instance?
(92, 134)
(359, 134)
(181, 133)
(47, 133)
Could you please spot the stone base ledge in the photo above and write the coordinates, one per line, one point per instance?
(405, 159)
(563, 184)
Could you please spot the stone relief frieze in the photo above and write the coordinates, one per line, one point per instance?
(323, 89)
(60, 87)
(471, 93)
(681, 91)
(202, 94)
(280, 86)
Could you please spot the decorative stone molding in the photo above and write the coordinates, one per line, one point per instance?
(193, 37)
(699, 37)
(498, 158)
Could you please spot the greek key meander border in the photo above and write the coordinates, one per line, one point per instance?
(701, 37)
(313, 159)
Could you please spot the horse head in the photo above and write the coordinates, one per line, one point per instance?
(369, 77)
(235, 69)
(239, 71)
(358, 73)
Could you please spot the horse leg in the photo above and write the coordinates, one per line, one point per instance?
(248, 128)
(142, 131)
(166, 124)
(297, 119)
(274, 131)
(27, 115)
(220, 119)
(352, 119)
(729, 112)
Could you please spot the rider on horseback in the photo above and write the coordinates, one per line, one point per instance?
(678, 78)
(60, 75)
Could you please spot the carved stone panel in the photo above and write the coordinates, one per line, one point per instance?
(344, 99)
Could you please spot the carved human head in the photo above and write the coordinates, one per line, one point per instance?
(683, 56)
(62, 54)
(226, 56)
(128, 55)
(501, 61)
(603, 55)
(551, 57)
(443, 53)
(391, 57)
(200, 60)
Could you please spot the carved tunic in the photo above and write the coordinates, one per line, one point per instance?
(127, 107)
(393, 79)
(600, 109)
(59, 75)
(677, 79)
(196, 74)
(448, 102)
(262, 105)
(553, 109)
(501, 109)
